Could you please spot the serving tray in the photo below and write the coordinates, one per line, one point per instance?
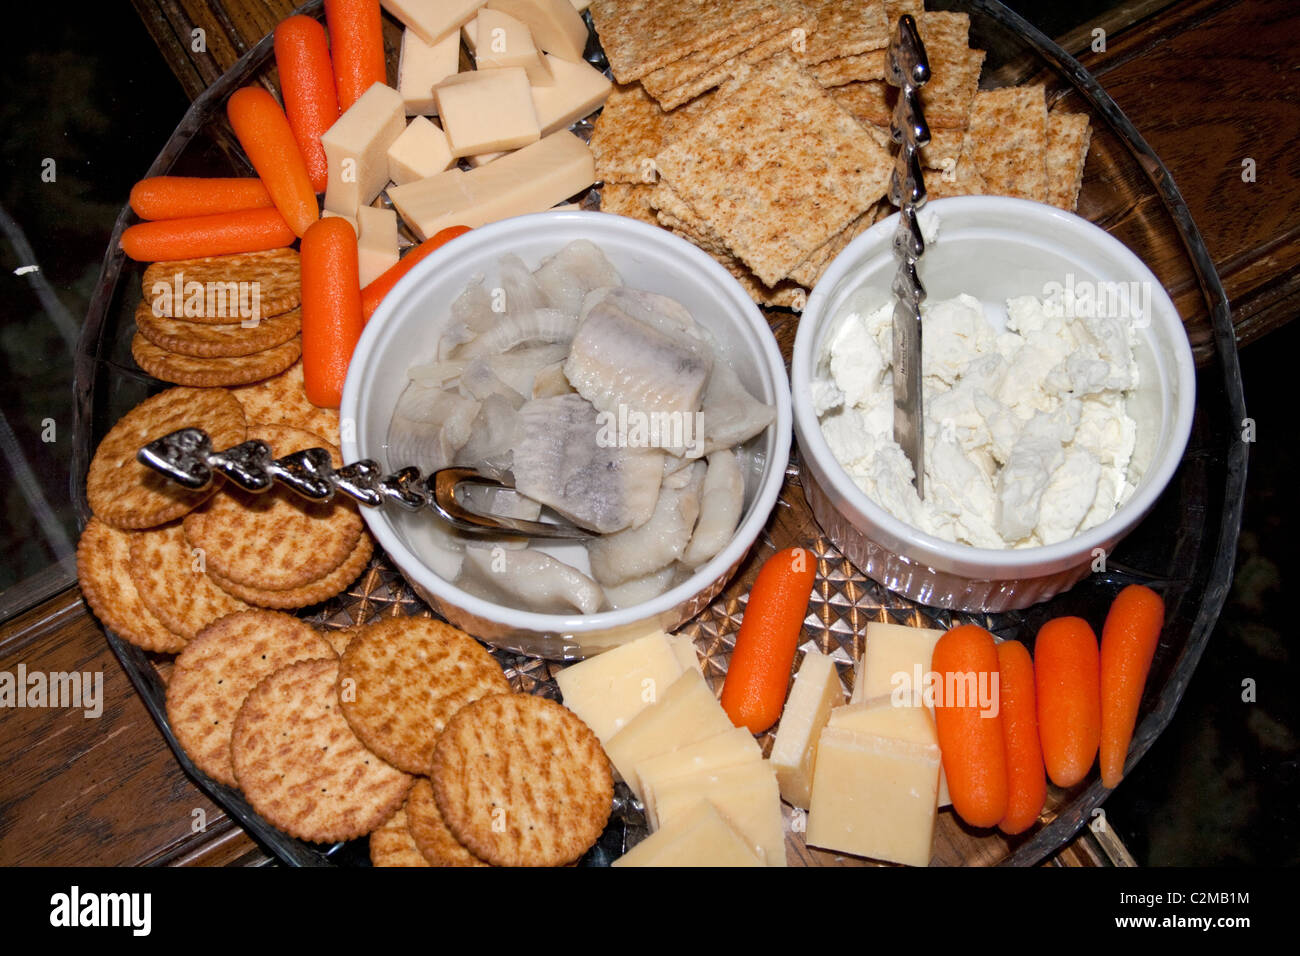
(1184, 549)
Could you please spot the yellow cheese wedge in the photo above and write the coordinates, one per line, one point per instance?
(747, 795)
(816, 690)
(731, 749)
(421, 151)
(556, 27)
(487, 110)
(433, 19)
(578, 89)
(608, 690)
(508, 42)
(532, 179)
(376, 242)
(700, 837)
(356, 149)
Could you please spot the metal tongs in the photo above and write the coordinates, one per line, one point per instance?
(188, 458)
(908, 68)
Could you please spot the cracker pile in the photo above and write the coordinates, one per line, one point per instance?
(759, 130)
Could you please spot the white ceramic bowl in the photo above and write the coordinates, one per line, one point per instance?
(994, 249)
(404, 331)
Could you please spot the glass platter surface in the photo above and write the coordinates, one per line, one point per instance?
(1185, 547)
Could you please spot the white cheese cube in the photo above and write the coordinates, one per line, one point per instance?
(356, 149)
(816, 690)
(608, 690)
(423, 66)
(487, 110)
(508, 42)
(420, 152)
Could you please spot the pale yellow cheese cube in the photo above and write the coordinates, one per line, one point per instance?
(377, 249)
(421, 67)
(487, 110)
(556, 27)
(421, 151)
(433, 19)
(816, 690)
(608, 690)
(578, 90)
(508, 42)
(469, 32)
(700, 837)
(356, 149)
(482, 159)
(875, 792)
(746, 794)
(685, 713)
(683, 646)
(729, 749)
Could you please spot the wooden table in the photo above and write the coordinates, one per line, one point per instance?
(1209, 83)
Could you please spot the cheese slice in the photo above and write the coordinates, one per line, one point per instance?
(508, 42)
(487, 110)
(532, 179)
(356, 149)
(747, 795)
(556, 27)
(685, 713)
(421, 67)
(421, 151)
(433, 19)
(578, 89)
(608, 690)
(816, 690)
(730, 749)
(377, 249)
(700, 837)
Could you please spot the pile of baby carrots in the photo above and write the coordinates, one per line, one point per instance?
(1057, 711)
(193, 217)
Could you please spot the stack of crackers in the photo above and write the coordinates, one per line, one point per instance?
(220, 320)
(759, 130)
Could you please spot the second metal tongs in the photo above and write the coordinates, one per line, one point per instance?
(188, 458)
(908, 68)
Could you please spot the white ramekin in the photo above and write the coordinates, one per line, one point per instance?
(993, 248)
(405, 329)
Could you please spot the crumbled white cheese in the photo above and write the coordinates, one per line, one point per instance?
(1027, 438)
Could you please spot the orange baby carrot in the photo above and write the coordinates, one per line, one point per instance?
(357, 46)
(381, 285)
(1068, 683)
(1128, 643)
(331, 308)
(249, 230)
(1026, 781)
(753, 695)
(179, 197)
(264, 132)
(965, 661)
(302, 56)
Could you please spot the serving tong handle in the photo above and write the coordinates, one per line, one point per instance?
(908, 68)
(188, 458)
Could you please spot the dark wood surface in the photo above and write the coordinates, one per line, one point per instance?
(1208, 83)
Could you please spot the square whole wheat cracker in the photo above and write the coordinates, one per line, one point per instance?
(1006, 141)
(626, 136)
(696, 64)
(839, 28)
(850, 69)
(954, 68)
(640, 36)
(1068, 137)
(628, 199)
(776, 167)
(675, 98)
(896, 8)
(869, 101)
(811, 269)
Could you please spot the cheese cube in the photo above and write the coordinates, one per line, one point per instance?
(682, 646)
(876, 784)
(508, 42)
(421, 151)
(747, 795)
(816, 690)
(421, 67)
(556, 27)
(470, 34)
(736, 746)
(532, 179)
(685, 713)
(356, 149)
(578, 89)
(433, 19)
(700, 837)
(482, 159)
(608, 690)
(487, 110)
(376, 242)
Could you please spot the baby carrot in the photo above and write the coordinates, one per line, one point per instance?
(1026, 781)
(357, 45)
(965, 661)
(179, 197)
(380, 286)
(1068, 684)
(249, 230)
(331, 308)
(1128, 643)
(753, 695)
(302, 55)
(264, 132)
